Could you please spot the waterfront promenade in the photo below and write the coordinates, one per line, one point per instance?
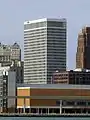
(41, 115)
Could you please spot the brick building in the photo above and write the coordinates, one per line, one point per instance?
(83, 49)
(77, 76)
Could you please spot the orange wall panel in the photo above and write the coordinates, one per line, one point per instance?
(41, 102)
(27, 102)
(47, 92)
(59, 92)
(23, 92)
(20, 102)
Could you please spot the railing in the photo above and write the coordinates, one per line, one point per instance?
(50, 114)
(50, 97)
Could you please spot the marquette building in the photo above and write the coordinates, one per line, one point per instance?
(44, 49)
(83, 49)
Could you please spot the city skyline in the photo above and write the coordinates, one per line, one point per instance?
(14, 13)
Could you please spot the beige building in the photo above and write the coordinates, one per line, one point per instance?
(9, 53)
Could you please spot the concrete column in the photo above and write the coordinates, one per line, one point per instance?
(60, 106)
(24, 106)
(38, 110)
(81, 110)
(29, 110)
(75, 103)
(15, 105)
(86, 107)
(41, 110)
(48, 111)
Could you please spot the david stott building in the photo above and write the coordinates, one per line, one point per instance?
(83, 49)
(44, 49)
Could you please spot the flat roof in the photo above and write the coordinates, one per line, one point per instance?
(45, 19)
(52, 86)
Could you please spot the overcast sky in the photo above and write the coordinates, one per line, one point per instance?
(13, 13)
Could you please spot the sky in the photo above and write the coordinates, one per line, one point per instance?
(13, 13)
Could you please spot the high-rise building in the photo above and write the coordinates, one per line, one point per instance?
(83, 49)
(44, 49)
(9, 53)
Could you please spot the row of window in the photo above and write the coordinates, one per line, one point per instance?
(27, 60)
(37, 39)
(36, 81)
(35, 25)
(35, 75)
(45, 24)
(35, 45)
(60, 55)
(35, 53)
(55, 30)
(40, 31)
(45, 33)
(34, 35)
(50, 48)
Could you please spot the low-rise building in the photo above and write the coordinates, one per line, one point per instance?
(53, 98)
(77, 76)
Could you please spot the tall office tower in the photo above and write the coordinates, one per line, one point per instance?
(9, 53)
(83, 49)
(44, 49)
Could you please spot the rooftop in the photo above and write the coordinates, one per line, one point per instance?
(45, 19)
(52, 86)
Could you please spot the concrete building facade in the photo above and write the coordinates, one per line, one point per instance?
(44, 49)
(7, 88)
(18, 67)
(83, 49)
(10, 76)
